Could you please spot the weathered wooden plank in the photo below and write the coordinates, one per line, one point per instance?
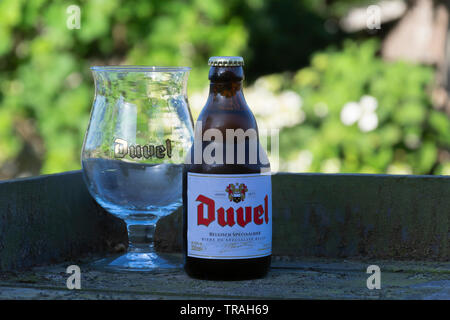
(52, 218)
(350, 215)
(384, 216)
(315, 279)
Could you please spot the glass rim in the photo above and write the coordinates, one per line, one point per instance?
(126, 68)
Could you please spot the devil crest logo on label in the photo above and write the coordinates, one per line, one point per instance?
(236, 192)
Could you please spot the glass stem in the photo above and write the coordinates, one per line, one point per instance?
(140, 237)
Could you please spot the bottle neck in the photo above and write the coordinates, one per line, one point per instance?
(225, 89)
(226, 95)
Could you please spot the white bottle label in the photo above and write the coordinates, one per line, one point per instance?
(229, 216)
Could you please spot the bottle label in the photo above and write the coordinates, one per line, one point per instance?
(229, 216)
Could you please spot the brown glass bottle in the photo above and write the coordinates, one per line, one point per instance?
(226, 109)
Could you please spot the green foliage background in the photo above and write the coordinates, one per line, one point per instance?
(46, 87)
(410, 134)
(44, 66)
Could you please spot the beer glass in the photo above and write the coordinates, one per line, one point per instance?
(139, 133)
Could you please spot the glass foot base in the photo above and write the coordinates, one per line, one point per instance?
(140, 261)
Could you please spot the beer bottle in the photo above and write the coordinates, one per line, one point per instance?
(227, 195)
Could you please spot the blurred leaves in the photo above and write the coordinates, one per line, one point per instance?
(45, 72)
(409, 134)
(45, 78)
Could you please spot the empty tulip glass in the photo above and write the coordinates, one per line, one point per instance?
(139, 133)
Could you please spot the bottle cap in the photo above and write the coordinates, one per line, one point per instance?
(226, 61)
